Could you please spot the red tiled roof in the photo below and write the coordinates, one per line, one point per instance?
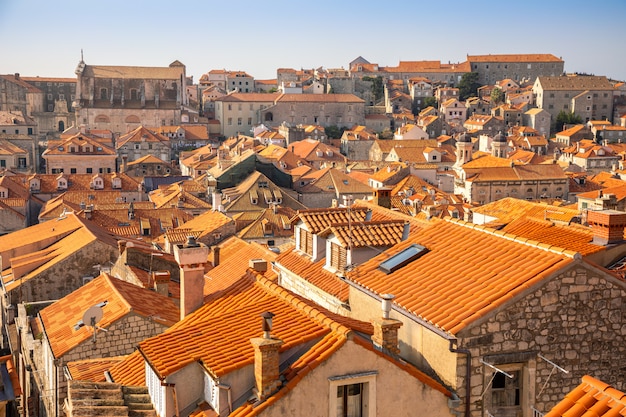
(92, 369)
(131, 371)
(122, 299)
(491, 270)
(591, 398)
(315, 273)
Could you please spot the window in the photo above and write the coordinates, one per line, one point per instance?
(3, 163)
(230, 121)
(505, 391)
(103, 94)
(338, 257)
(49, 96)
(89, 171)
(353, 395)
(249, 121)
(72, 170)
(349, 400)
(306, 242)
(239, 121)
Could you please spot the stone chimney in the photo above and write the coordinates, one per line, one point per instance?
(124, 163)
(259, 265)
(215, 250)
(191, 257)
(266, 360)
(161, 281)
(121, 246)
(607, 226)
(386, 329)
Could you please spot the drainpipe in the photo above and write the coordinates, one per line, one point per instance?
(230, 398)
(468, 371)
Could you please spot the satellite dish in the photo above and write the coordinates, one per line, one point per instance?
(92, 316)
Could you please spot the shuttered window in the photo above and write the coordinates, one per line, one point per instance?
(306, 242)
(338, 257)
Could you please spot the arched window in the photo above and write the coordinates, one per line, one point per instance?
(132, 119)
(61, 126)
(530, 190)
(269, 117)
(102, 119)
(103, 94)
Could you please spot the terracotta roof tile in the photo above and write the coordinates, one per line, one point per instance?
(361, 234)
(92, 369)
(317, 220)
(131, 371)
(490, 268)
(314, 273)
(122, 299)
(591, 398)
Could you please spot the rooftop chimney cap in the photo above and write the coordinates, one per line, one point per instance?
(267, 323)
(386, 304)
(191, 242)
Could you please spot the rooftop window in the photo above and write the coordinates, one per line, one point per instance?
(402, 258)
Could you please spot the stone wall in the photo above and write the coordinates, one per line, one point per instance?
(577, 321)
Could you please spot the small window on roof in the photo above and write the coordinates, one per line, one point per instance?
(402, 258)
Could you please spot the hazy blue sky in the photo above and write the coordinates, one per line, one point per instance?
(45, 37)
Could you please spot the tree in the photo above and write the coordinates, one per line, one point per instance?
(430, 101)
(334, 132)
(468, 86)
(564, 118)
(377, 87)
(497, 96)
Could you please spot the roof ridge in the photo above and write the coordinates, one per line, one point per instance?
(520, 239)
(123, 300)
(314, 313)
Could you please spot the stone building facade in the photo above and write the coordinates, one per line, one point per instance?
(571, 318)
(120, 98)
(518, 67)
(119, 339)
(342, 110)
(589, 97)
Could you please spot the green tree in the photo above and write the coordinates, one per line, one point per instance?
(468, 86)
(564, 118)
(377, 87)
(497, 96)
(430, 101)
(334, 132)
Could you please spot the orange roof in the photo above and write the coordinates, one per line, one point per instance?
(575, 237)
(315, 273)
(382, 233)
(131, 371)
(92, 369)
(317, 220)
(233, 265)
(514, 58)
(490, 268)
(591, 398)
(122, 299)
(228, 323)
(509, 209)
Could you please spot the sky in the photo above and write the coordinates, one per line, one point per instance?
(45, 38)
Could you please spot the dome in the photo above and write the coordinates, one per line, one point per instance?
(500, 138)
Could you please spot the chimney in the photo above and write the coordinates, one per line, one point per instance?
(121, 246)
(259, 265)
(124, 163)
(191, 257)
(607, 226)
(385, 335)
(17, 75)
(266, 360)
(161, 281)
(405, 231)
(216, 255)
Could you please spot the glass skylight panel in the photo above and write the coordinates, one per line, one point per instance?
(402, 258)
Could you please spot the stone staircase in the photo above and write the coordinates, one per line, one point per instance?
(91, 399)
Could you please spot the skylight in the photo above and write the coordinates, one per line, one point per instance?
(402, 258)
